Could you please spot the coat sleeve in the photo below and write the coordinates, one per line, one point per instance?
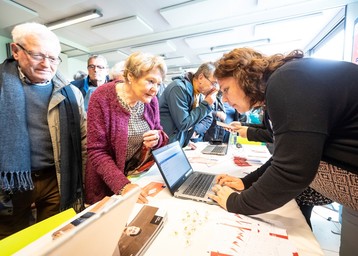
(83, 126)
(181, 111)
(153, 119)
(104, 159)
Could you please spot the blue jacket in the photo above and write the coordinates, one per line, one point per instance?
(177, 115)
(82, 84)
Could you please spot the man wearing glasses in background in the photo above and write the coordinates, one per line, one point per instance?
(41, 119)
(97, 67)
(186, 104)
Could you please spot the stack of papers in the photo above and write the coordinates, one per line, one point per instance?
(238, 234)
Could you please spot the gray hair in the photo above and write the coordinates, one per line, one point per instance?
(33, 29)
(97, 56)
(207, 69)
(117, 69)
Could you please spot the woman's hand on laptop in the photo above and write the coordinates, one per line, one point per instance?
(221, 195)
(230, 181)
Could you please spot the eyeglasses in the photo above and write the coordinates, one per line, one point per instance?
(41, 57)
(96, 66)
(214, 84)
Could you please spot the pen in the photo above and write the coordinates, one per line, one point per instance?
(254, 160)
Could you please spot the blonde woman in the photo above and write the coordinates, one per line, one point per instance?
(123, 127)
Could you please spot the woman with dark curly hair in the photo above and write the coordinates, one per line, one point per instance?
(313, 110)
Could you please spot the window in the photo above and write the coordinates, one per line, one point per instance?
(331, 46)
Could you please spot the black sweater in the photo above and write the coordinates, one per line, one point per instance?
(313, 107)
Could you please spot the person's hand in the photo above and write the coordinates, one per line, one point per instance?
(221, 195)
(195, 135)
(191, 145)
(221, 115)
(142, 199)
(242, 131)
(230, 181)
(238, 128)
(151, 138)
(210, 98)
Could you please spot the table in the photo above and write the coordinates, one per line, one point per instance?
(171, 240)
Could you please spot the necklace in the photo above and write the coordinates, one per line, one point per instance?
(122, 98)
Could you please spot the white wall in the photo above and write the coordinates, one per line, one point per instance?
(3, 42)
(74, 65)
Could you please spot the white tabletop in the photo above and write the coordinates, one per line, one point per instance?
(173, 240)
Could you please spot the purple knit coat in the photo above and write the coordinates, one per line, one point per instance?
(107, 141)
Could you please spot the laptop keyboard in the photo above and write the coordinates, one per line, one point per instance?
(215, 149)
(200, 185)
(219, 149)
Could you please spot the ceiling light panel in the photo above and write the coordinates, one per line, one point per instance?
(158, 48)
(78, 18)
(123, 28)
(195, 12)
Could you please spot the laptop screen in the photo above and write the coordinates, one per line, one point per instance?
(109, 221)
(173, 164)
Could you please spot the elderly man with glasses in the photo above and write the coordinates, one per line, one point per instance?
(186, 104)
(97, 67)
(42, 132)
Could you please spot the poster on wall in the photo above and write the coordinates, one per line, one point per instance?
(355, 43)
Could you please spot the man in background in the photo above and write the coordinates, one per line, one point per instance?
(116, 72)
(97, 68)
(181, 110)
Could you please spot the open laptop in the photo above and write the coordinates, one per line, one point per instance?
(180, 177)
(220, 150)
(97, 235)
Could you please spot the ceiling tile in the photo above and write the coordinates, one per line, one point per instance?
(234, 35)
(65, 47)
(291, 28)
(212, 56)
(158, 48)
(177, 61)
(122, 28)
(276, 3)
(114, 57)
(75, 52)
(15, 13)
(195, 12)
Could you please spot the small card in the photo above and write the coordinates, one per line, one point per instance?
(153, 188)
(241, 161)
(225, 125)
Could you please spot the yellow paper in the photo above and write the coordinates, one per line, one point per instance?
(242, 140)
(17, 241)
